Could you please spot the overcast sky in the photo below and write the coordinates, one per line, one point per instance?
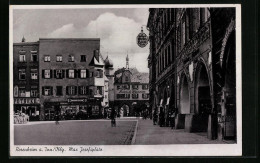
(117, 29)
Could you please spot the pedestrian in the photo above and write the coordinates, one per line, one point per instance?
(155, 118)
(161, 117)
(57, 119)
(172, 118)
(113, 118)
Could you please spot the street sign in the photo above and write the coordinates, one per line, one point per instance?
(142, 39)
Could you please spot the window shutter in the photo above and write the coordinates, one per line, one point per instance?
(51, 73)
(67, 90)
(63, 73)
(51, 88)
(43, 74)
(42, 90)
(76, 90)
(55, 74)
(76, 73)
(67, 73)
(87, 73)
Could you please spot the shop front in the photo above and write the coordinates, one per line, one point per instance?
(73, 108)
(28, 106)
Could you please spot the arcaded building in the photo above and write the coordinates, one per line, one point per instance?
(192, 68)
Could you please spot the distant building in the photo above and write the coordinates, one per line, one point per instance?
(131, 89)
(26, 78)
(109, 73)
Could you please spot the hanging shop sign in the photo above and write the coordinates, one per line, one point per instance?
(142, 39)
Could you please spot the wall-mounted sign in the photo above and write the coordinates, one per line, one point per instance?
(26, 101)
(142, 39)
(77, 100)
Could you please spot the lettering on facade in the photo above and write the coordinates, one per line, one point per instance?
(26, 101)
(77, 100)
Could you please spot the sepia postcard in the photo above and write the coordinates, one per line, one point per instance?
(125, 80)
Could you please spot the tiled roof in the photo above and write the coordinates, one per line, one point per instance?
(136, 76)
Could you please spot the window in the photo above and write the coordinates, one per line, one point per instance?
(83, 90)
(34, 57)
(118, 87)
(99, 90)
(71, 58)
(47, 74)
(135, 95)
(71, 90)
(126, 79)
(83, 73)
(83, 58)
(71, 73)
(90, 74)
(34, 93)
(99, 73)
(183, 28)
(135, 86)
(123, 96)
(47, 90)
(22, 75)
(22, 92)
(34, 74)
(145, 86)
(59, 58)
(59, 74)
(59, 91)
(22, 58)
(47, 58)
(126, 86)
(145, 96)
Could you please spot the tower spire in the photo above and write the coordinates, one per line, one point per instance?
(127, 61)
(23, 39)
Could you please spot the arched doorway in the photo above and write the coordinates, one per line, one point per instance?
(124, 111)
(229, 71)
(203, 103)
(184, 101)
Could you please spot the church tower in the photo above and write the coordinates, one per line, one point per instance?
(23, 39)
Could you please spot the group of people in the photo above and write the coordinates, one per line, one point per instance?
(164, 120)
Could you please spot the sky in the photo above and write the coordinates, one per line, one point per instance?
(117, 29)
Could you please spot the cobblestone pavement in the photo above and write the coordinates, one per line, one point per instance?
(147, 133)
(95, 132)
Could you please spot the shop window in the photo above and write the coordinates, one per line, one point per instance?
(135, 96)
(34, 57)
(47, 90)
(22, 58)
(22, 75)
(83, 58)
(71, 58)
(58, 58)
(59, 91)
(34, 93)
(47, 58)
(34, 74)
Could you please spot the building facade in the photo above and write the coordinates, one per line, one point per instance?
(26, 79)
(131, 90)
(61, 76)
(191, 51)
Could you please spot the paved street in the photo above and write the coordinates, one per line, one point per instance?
(100, 132)
(97, 132)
